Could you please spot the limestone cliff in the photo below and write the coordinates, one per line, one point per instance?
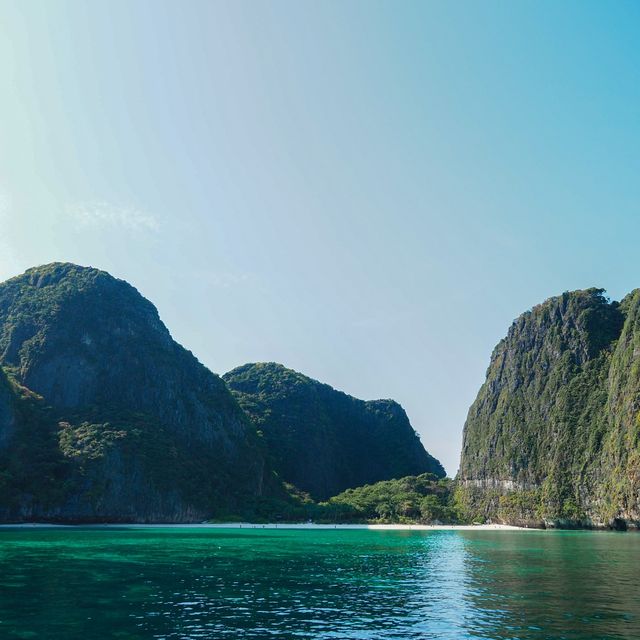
(322, 440)
(553, 436)
(132, 426)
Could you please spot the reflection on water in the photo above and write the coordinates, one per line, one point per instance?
(556, 585)
(190, 583)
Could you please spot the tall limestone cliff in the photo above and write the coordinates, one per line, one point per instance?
(128, 424)
(554, 435)
(322, 440)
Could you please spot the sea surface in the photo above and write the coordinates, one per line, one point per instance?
(178, 583)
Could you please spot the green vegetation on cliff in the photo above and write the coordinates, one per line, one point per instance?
(104, 417)
(33, 472)
(553, 434)
(322, 440)
(112, 419)
(423, 499)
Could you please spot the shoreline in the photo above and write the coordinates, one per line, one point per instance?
(299, 526)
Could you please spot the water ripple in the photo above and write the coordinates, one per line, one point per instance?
(352, 585)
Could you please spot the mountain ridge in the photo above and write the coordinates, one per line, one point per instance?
(105, 418)
(292, 410)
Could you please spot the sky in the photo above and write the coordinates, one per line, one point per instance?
(367, 192)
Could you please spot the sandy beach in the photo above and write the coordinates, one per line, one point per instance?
(250, 525)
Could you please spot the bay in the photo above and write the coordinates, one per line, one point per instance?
(178, 583)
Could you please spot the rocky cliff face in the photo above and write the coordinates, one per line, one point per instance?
(324, 441)
(104, 417)
(131, 425)
(553, 436)
(7, 412)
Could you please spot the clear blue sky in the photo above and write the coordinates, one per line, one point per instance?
(368, 192)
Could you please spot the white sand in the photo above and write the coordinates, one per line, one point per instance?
(249, 525)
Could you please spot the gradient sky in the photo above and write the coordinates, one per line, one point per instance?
(368, 192)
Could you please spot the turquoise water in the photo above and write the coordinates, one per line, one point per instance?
(239, 583)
